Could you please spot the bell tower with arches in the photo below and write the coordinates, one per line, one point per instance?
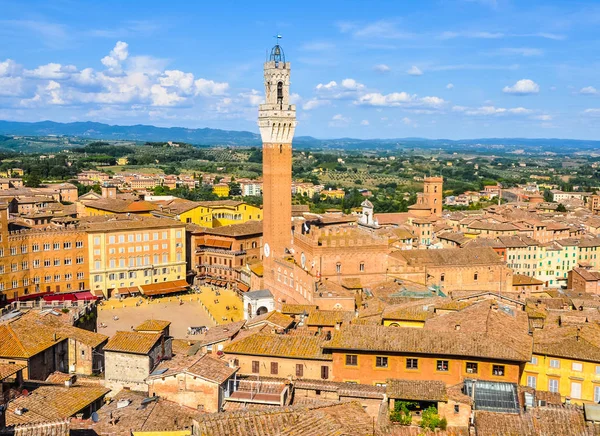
(277, 123)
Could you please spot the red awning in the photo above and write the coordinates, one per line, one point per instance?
(60, 297)
(85, 295)
(28, 297)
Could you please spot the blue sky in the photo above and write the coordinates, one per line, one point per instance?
(367, 69)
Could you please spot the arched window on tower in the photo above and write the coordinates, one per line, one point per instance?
(280, 148)
(279, 92)
(435, 189)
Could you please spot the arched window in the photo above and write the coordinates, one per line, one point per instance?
(254, 244)
(475, 276)
(435, 189)
(280, 93)
(280, 148)
(361, 267)
(442, 277)
(338, 267)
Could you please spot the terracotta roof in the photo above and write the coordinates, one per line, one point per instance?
(571, 342)
(274, 317)
(422, 341)
(499, 325)
(33, 333)
(449, 257)
(344, 419)
(236, 230)
(587, 275)
(403, 313)
(132, 342)
(212, 369)
(154, 416)
(355, 390)
(123, 222)
(291, 346)
(121, 206)
(328, 318)
(218, 333)
(176, 205)
(48, 403)
(297, 309)
(521, 279)
(152, 325)
(554, 421)
(8, 369)
(416, 390)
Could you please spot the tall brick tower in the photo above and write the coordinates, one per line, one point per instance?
(432, 194)
(277, 122)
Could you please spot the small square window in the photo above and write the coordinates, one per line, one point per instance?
(498, 370)
(412, 363)
(351, 360)
(554, 363)
(442, 365)
(472, 367)
(381, 362)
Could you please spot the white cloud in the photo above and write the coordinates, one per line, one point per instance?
(314, 103)
(295, 98)
(396, 99)
(491, 110)
(117, 55)
(10, 86)
(210, 87)
(407, 121)
(589, 90)
(543, 117)
(522, 87)
(364, 123)
(382, 68)
(347, 88)
(521, 51)
(162, 97)
(414, 71)
(339, 120)
(595, 112)
(178, 79)
(9, 68)
(450, 86)
(253, 97)
(478, 35)
(52, 71)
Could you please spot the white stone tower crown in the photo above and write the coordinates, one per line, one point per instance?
(277, 117)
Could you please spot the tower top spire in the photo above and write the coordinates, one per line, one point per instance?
(277, 54)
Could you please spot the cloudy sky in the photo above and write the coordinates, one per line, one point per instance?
(437, 69)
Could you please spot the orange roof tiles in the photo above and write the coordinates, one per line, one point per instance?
(132, 342)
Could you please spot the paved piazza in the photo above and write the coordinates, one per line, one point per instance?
(189, 314)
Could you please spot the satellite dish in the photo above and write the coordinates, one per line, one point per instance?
(95, 417)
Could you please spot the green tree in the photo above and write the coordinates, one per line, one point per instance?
(33, 180)
(561, 208)
(548, 196)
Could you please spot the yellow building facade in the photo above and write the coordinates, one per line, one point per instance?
(221, 190)
(576, 379)
(208, 213)
(133, 251)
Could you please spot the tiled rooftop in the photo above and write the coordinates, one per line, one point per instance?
(293, 346)
(132, 342)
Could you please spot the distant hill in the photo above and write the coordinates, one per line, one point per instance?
(208, 136)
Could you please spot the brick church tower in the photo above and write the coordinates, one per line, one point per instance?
(432, 194)
(277, 122)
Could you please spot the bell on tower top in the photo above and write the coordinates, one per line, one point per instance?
(277, 54)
